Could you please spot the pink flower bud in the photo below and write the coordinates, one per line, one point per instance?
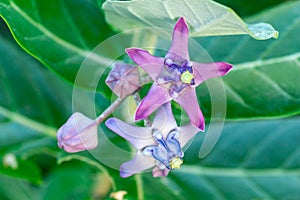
(123, 79)
(79, 133)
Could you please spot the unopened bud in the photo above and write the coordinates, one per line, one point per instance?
(79, 133)
(124, 79)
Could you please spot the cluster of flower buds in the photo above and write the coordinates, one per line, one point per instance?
(175, 77)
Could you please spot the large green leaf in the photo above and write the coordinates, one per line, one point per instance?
(61, 34)
(30, 95)
(205, 17)
(264, 82)
(241, 102)
(14, 189)
(70, 181)
(21, 169)
(246, 8)
(33, 102)
(252, 160)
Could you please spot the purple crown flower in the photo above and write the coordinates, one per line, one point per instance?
(158, 146)
(175, 76)
(79, 133)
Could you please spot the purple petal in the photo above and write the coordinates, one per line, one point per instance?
(138, 164)
(164, 120)
(187, 131)
(204, 71)
(179, 47)
(151, 64)
(188, 100)
(137, 136)
(157, 172)
(156, 96)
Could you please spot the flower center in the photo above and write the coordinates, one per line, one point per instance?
(175, 163)
(167, 152)
(178, 72)
(186, 77)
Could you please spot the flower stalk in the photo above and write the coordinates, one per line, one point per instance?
(109, 110)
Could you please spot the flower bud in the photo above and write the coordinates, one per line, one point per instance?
(79, 133)
(123, 79)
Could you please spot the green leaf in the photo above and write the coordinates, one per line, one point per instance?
(204, 16)
(20, 169)
(61, 34)
(258, 160)
(252, 160)
(91, 162)
(31, 96)
(264, 82)
(15, 189)
(33, 102)
(70, 181)
(246, 8)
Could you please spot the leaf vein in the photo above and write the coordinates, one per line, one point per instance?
(237, 96)
(7, 86)
(36, 11)
(25, 121)
(260, 62)
(258, 189)
(238, 171)
(192, 10)
(292, 155)
(216, 191)
(275, 85)
(257, 148)
(73, 25)
(97, 58)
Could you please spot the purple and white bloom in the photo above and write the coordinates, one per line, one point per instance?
(123, 79)
(175, 76)
(79, 133)
(158, 146)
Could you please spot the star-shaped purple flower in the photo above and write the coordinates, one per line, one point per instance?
(159, 146)
(175, 76)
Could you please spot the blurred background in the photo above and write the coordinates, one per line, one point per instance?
(257, 156)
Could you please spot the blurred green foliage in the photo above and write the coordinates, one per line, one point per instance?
(252, 160)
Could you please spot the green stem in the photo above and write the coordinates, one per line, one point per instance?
(109, 110)
(139, 185)
(25, 121)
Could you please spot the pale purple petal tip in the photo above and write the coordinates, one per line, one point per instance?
(179, 47)
(156, 97)
(204, 71)
(139, 137)
(181, 26)
(136, 165)
(125, 174)
(187, 132)
(151, 64)
(188, 100)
